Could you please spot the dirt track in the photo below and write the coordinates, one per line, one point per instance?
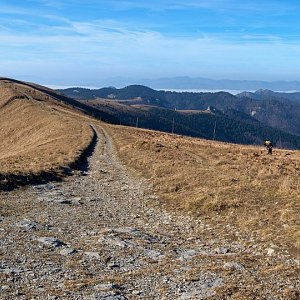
(102, 234)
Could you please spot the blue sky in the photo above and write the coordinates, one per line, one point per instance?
(75, 42)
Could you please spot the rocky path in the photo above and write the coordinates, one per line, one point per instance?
(102, 234)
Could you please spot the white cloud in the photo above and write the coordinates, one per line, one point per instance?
(108, 48)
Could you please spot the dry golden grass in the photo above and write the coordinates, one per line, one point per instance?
(111, 106)
(244, 186)
(38, 133)
(194, 111)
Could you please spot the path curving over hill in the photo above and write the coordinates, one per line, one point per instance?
(104, 235)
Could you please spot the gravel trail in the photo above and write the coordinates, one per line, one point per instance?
(102, 234)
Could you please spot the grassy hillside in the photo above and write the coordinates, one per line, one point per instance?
(231, 184)
(38, 134)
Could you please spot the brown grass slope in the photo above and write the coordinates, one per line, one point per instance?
(232, 185)
(38, 134)
(111, 106)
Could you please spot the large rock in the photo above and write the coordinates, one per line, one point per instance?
(51, 242)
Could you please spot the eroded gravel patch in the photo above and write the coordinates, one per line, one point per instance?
(104, 235)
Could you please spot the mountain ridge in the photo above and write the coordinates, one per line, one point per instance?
(283, 115)
(265, 94)
(187, 82)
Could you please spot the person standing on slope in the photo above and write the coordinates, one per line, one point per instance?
(269, 146)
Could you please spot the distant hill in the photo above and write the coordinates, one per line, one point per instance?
(277, 112)
(268, 94)
(221, 84)
(186, 82)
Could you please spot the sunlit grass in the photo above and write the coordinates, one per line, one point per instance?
(257, 192)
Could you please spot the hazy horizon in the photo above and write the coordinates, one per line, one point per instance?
(233, 92)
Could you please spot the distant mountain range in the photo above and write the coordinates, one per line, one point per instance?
(247, 118)
(200, 83)
(264, 94)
